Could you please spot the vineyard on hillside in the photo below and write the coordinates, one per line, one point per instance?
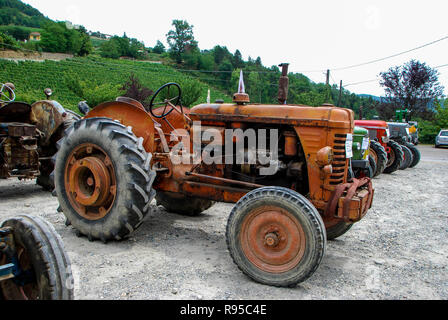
(104, 77)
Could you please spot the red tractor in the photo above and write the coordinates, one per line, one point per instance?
(388, 154)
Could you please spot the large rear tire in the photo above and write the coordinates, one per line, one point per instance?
(41, 254)
(276, 237)
(379, 154)
(103, 179)
(182, 204)
(395, 158)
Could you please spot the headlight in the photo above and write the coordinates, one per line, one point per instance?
(324, 157)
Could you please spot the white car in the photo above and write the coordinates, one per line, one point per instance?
(442, 138)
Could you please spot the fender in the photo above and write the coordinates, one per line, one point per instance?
(129, 115)
(47, 116)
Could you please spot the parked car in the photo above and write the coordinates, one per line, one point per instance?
(442, 138)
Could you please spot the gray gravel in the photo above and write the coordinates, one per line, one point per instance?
(399, 251)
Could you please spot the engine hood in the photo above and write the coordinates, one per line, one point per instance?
(328, 116)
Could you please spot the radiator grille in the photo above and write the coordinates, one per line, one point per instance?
(339, 160)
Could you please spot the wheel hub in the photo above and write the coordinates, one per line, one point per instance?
(272, 239)
(90, 182)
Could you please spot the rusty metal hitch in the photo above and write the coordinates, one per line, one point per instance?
(351, 189)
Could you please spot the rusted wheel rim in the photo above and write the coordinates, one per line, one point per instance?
(272, 239)
(374, 155)
(391, 158)
(90, 181)
(30, 291)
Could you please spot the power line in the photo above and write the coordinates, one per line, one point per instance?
(361, 82)
(391, 56)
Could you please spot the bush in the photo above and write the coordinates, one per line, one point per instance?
(191, 92)
(7, 42)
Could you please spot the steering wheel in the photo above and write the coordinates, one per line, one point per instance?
(7, 94)
(163, 97)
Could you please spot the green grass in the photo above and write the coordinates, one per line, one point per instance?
(31, 78)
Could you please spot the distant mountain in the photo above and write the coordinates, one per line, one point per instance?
(15, 12)
(375, 98)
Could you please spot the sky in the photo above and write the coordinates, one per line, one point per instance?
(312, 36)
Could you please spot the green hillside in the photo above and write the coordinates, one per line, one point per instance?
(100, 78)
(15, 12)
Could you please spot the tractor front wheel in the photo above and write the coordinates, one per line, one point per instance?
(379, 154)
(276, 237)
(103, 179)
(45, 266)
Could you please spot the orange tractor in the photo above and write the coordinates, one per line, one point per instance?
(290, 186)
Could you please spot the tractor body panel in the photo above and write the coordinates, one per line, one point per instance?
(378, 130)
(129, 115)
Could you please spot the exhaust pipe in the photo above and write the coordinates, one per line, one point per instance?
(283, 87)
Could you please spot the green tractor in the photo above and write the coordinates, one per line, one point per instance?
(363, 165)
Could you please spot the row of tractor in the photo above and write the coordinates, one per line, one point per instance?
(298, 176)
(392, 148)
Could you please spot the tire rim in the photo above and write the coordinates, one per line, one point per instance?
(272, 239)
(30, 291)
(391, 160)
(374, 155)
(90, 182)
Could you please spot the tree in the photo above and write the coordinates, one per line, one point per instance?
(56, 37)
(122, 46)
(238, 61)
(179, 38)
(159, 48)
(413, 86)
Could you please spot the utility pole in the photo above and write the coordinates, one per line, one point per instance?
(340, 95)
(328, 94)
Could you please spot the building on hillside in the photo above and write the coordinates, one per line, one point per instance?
(34, 36)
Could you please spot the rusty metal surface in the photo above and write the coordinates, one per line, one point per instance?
(129, 115)
(15, 112)
(18, 151)
(90, 182)
(48, 116)
(283, 87)
(272, 239)
(350, 201)
(288, 114)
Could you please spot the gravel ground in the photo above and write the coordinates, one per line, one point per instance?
(399, 251)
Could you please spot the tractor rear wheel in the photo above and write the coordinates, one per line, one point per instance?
(338, 230)
(42, 258)
(276, 237)
(408, 158)
(103, 179)
(379, 154)
(395, 157)
(182, 204)
(416, 153)
(373, 165)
